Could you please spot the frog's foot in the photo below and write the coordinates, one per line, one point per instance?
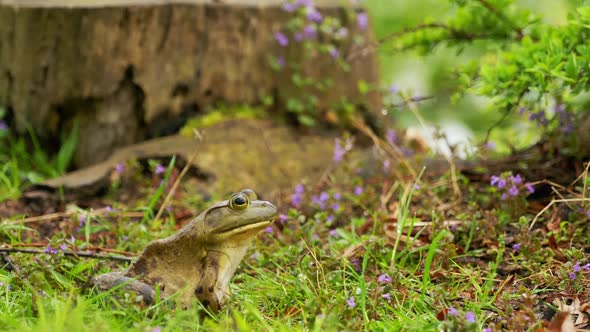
(117, 280)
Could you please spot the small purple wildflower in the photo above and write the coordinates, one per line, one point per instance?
(342, 33)
(357, 264)
(391, 136)
(393, 89)
(362, 19)
(516, 179)
(516, 247)
(573, 276)
(314, 15)
(335, 206)
(125, 238)
(588, 213)
(109, 209)
(586, 267)
(82, 220)
(337, 196)
(159, 169)
(416, 186)
(577, 267)
(384, 279)
(269, 230)
(281, 61)
(334, 53)
(281, 38)
(290, 7)
(529, 187)
(50, 250)
(386, 296)
(72, 239)
(63, 247)
(330, 218)
(309, 31)
(358, 190)
(339, 151)
(324, 196)
(3, 126)
(504, 196)
(254, 256)
(452, 311)
(513, 191)
(501, 183)
(490, 145)
(351, 304)
(470, 316)
(487, 329)
(304, 3)
(119, 168)
(494, 180)
(333, 233)
(283, 218)
(297, 197)
(157, 329)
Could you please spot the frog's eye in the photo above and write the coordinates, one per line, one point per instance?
(239, 201)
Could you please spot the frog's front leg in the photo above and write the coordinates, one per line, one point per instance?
(107, 281)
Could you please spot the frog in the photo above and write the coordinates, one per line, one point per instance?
(200, 259)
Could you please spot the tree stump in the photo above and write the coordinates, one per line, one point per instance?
(117, 67)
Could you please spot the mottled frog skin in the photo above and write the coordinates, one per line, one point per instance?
(199, 260)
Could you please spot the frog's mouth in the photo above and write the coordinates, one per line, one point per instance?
(237, 228)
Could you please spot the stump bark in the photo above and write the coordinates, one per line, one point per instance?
(117, 67)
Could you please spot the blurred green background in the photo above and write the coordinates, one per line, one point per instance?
(430, 75)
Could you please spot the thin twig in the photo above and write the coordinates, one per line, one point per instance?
(69, 253)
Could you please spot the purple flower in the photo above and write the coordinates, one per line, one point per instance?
(588, 213)
(3, 126)
(573, 276)
(254, 256)
(529, 187)
(321, 199)
(386, 296)
(339, 151)
(63, 247)
(342, 33)
(309, 31)
(470, 316)
(452, 311)
(283, 218)
(362, 19)
(269, 230)
(335, 206)
(416, 186)
(384, 279)
(119, 168)
(393, 89)
(490, 145)
(391, 136)
(334, 53)
(290, 6)
(358, 190)
(297, 197)
(494, 180)
(281, 38)
(281, 61)
(357, 264)
(82, 220)
(351, 303)
(125, 238)
(333, 233)
(159, 169)
(298, 36)
(517, 179)
(586, 267)
(337, 196)
(304, 3)
(501, 183)
(577, 267)
(513, 191)
(487, 329)
(109, 209)
(516, 247)
(157, 329)
(324, 196)
(504, 196)
(50, 250)
(313, 15)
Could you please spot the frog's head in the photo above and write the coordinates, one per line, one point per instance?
(241, 216)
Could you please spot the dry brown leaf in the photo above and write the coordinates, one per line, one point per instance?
(562, 322)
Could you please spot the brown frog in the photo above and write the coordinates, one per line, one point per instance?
(200, 259)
